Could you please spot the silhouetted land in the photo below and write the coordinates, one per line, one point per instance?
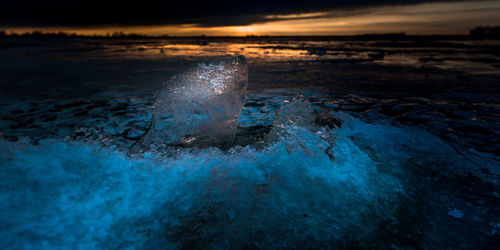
(487, 32)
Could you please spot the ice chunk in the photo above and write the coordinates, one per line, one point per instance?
(296, 113)
(201, 106)
(456, 213)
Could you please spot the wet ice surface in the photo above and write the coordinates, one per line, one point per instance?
(413, 164)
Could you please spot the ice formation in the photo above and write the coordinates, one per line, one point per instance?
(289, 194)
(297, 113)
(456, 213)
(200, 106)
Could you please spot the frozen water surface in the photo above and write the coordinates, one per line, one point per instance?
(289, 193)
(339, 144)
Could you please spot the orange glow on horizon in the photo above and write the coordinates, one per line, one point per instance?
(431, 18)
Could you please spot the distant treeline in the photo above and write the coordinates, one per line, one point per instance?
(486, 32)
(39, 34)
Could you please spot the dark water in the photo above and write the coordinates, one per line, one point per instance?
(415, 163)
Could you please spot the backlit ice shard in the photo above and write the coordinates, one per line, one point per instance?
(200, 106)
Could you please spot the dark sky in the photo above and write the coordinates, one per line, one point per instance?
(268, 17)
(151, 12)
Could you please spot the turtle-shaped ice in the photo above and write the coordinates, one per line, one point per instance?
(200, 106)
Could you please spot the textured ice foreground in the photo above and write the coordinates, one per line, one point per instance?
(201, 105)
(289, 193)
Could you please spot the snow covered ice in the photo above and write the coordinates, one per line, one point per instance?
(201, 105)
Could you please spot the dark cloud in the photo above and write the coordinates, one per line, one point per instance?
(152, 12)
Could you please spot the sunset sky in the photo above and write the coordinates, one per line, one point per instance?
(220, 18)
